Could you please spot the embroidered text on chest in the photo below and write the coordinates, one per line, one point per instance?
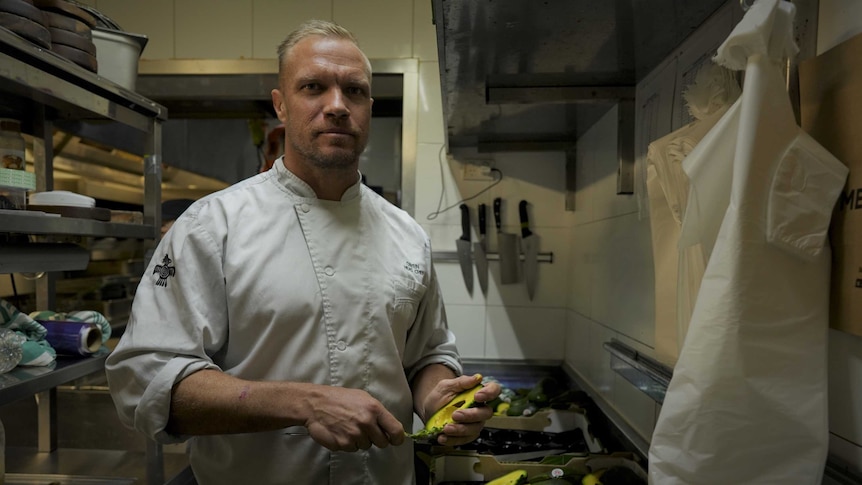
(414, 268)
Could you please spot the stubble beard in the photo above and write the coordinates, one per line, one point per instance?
(336, 160)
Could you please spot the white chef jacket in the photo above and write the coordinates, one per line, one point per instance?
(265, 281)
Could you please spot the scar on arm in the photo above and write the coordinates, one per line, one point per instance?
(244, 393)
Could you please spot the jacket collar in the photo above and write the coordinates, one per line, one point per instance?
(296, 185)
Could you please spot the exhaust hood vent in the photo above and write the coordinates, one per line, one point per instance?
(533, 73)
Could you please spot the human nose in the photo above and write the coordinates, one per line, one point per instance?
(335, 105)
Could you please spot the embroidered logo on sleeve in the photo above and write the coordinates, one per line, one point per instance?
(165, 271)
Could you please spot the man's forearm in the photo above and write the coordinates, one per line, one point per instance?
(212, 402)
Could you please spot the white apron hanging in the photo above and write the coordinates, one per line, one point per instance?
(747, 401)
(678, 271)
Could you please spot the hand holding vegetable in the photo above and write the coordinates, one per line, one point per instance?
(462, 417)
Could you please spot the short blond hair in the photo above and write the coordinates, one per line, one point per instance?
(322, 28)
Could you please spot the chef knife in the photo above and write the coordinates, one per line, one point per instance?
(530, 246)
(464, 249)
(479, 252)
(507, 245)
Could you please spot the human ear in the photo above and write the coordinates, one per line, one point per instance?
(278, 105)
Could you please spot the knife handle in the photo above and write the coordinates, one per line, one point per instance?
(525, 222)
(497, 202)
(482, 219)
(465, 222)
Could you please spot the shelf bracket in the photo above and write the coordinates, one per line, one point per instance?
(46, 408)
(626, 146)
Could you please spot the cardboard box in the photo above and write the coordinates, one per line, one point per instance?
(468, 466)
(550, 421)
(831, 109)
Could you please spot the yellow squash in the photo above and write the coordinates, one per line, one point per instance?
(443, 416)
(517, 477)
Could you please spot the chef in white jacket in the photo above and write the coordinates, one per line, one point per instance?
(290, 325)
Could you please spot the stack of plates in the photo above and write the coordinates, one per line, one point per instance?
(67, 204)
(62, 197)
(70, 29)
(57, 25)
(26, 20)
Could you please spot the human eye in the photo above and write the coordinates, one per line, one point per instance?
(310, 86)
(357, 91)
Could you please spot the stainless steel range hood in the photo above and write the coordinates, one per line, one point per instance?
(528, 75)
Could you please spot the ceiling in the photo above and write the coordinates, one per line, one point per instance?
(529, 74)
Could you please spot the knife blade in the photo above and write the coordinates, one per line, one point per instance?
(465, 257)
(479, 252)
(530, 246)
(507, 244)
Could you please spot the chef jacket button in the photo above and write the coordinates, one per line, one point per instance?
(304, 208)
(329, 270)
(341, 345)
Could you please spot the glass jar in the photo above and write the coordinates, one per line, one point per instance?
(11, 349)
(12, 145)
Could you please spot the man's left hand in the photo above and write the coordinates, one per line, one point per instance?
(470, 421)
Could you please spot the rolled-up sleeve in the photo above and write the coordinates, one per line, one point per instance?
(178, 321)
(430, 341)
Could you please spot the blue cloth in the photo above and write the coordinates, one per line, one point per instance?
(37, 350)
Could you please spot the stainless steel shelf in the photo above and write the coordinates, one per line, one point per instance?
(23, 382)
(645, 373)
(452, 256)
(33, 257)
(53, 479)
(27, 223)
(72, 466)
(35, 74)
(44, 90)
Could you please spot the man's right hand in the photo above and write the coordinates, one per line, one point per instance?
(343, 419)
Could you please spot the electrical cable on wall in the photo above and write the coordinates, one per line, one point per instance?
(439, 211)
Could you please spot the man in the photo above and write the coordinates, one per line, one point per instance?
(292, 323)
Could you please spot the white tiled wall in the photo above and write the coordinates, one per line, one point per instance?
(611, 290)
(430, 126)
(384, 27)
(213, 29)
(424, 33)
(273, 19)
(514, 332)
(153, 18)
